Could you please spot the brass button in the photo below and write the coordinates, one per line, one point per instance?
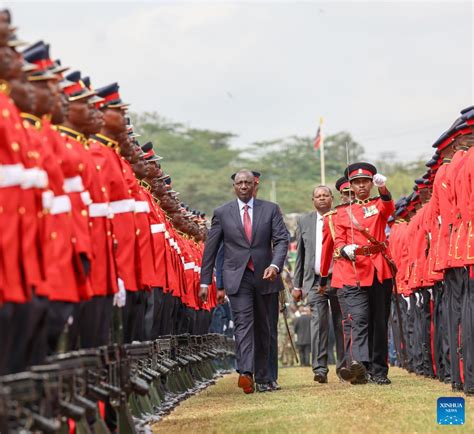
(109, 233)
(22, 210)
(73, 240)
(5, 113)
(138, 232)
(98, 168)
(15, 146)
(1, 209)
(80, 167)
(84, 213)
(68, 145)
(17, 126)
(54, 235)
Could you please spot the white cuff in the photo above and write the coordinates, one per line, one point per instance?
(275, 266)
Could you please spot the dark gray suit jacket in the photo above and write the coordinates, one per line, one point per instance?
(269, 245)
(305, 252)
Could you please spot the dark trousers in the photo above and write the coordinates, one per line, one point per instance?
(273, 358)
(369, 307)
(441, 345)
(320, 305)
(425, 308)
(456, 280)
(95, 319)
(415, 315)
(304, 352)
(133, 316)
(6, 317)
(346, 326)
(467, 322)
(251, 312)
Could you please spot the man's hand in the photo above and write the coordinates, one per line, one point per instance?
(203, 291)
(220, 296)
(297, 295)
(270, 273)
(348, 251)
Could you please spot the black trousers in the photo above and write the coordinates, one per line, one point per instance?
(441, 345)
(133, 316)
(415, 314)
(369, 307)
(456, 280)
(273, 321)
(346, 326)
(95, 319)
(467, 323)
(6, 317)
(426, 331)
(251, 312)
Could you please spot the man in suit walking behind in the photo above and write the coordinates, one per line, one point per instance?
(256, 244)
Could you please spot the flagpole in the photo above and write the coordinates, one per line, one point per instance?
(323, 167)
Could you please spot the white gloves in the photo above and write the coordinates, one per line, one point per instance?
(349, 250)
(379, 180)
(231, 324)
(120, 296)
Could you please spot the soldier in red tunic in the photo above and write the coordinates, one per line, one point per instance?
(362, 250)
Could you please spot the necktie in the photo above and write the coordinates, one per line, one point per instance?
(248, 232)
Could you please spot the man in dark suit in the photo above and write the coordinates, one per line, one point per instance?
(256, 244)
(309, 239)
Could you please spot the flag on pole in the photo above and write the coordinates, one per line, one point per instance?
(318, 140)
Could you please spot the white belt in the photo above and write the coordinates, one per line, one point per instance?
(47, 198)
(100, 210)
(121, 206)
(158, 228)
(142, 206)
(34, 177)
(73, 185)
(60, 205)
(189, 265)
(11, 175)
(86, 198)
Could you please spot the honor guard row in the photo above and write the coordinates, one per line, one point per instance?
(94, 239)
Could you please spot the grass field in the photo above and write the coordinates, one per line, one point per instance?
(303, 406)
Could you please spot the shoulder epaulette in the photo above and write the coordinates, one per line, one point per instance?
(333, 211)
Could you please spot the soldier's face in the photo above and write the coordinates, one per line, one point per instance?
(10, 64)
(114, 121)
(45, 99)
(322, 199)
(346, 196)
(23, 95)
(244, 185)
(140, 169)
(79, 114)
(96, 120)
(61, 105)
(154, 170)
(362, 187)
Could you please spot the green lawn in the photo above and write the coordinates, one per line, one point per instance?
(303, 406)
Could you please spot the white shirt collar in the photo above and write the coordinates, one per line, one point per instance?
(242, 204)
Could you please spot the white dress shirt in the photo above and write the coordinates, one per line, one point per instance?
(318, 243)
(241, 209)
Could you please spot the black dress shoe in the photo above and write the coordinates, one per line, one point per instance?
(379, 379)
(469, 391)
(263, 387)
(457, 387)
(274, 385)
(320, 377)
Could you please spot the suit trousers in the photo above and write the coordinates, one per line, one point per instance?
(320, 304)
(456, 280)
(369, 307)
(251, 312)
(273, 358)
(441, 346)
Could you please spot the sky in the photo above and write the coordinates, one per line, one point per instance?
(393, 74)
